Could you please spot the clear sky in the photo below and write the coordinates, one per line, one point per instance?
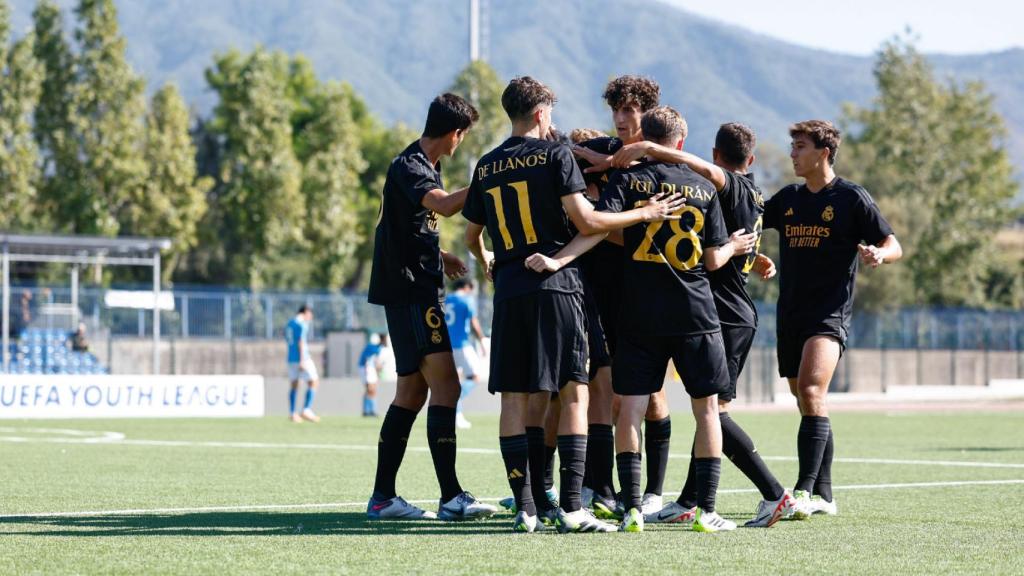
(860, 26)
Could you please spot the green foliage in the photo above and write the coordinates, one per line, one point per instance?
(53, 125)
(107, 120)
(259, 204)
(173, 200)
(336, 148)
(933, 156)
(20, 78)
(336, 222)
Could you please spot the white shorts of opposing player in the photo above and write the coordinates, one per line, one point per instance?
(303, 372)
(369, 374)
(467, 361)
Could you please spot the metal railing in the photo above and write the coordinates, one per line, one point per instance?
(237, 314)
(233, 331)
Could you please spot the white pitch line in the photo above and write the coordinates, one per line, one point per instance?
(111, 440)
(244, 507)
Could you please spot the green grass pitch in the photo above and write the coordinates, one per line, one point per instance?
(267, 496)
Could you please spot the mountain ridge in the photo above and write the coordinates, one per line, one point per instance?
(398, 54)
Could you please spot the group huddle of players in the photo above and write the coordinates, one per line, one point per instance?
(610, 257)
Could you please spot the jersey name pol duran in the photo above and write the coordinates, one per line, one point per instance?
(665, 286)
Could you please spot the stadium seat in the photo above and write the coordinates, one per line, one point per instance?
(46, 351)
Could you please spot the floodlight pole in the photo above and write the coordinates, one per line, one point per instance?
(6, 308)
(474, 30)
(74, 297)
(156, 312)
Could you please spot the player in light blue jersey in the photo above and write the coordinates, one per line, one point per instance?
(460, 315)
(300, 364)
(369, 368)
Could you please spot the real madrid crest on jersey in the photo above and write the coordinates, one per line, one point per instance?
(828, 214)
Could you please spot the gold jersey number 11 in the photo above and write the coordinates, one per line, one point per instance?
(525, 217)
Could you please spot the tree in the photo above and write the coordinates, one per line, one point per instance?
(933, 156)
(172, 201)
(336, 221)
(259, 204)
(53, 123)
(107, 119)
(21, 76)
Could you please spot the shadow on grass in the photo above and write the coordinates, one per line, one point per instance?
(242, 524)
(982, 449)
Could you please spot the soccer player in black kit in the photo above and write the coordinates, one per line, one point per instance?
(628, 97)
(408, 280)
(823, 224)
(742, 208)
(525, 193)
(668, 312)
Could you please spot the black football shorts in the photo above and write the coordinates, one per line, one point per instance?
(538, 343)
(416, 331)
(641, 362)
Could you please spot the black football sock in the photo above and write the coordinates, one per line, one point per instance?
(600, 454)
(572, 453)
(538, 463)
(810, 446)
(549, 466)
(708, 472)
(688, 495)
(628, 464)
(441, 439)
(657, 434)
(515, 451)
(738, 447)
(394, 437)
(823, 485)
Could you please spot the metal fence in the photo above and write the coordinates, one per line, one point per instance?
(212, 331)
(233, 314)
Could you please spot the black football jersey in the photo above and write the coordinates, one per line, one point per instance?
(665, 285)
(742, 207)
(516, 193)
(605, 145)
(407, 265)
(602, 264)
(818, 237)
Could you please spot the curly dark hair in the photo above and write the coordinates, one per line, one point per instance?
(522, 95)
(823, 133)
(735, 142)
(625, 89)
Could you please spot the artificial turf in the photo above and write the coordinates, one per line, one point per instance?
(254, 468)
